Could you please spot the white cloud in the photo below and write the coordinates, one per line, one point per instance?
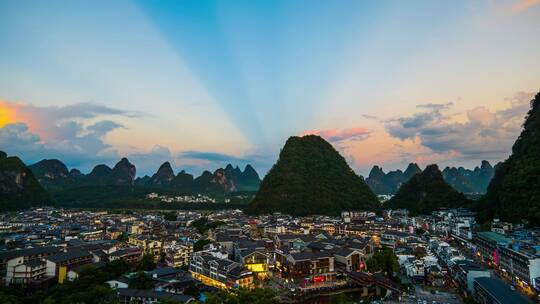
(484, 135)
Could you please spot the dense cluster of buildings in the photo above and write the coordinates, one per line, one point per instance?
(493, 265)
(43, 247)
(199, 198)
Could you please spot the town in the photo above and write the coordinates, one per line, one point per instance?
(186, 256)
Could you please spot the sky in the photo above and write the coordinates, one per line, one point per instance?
(205, 83)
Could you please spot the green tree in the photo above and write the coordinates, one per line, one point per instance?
(116, 268)
(198, 246)
(170, 216)
(9, 299)
(88, 288)
(142, 281)
(419, 231)
(147, 262)
(203, 224)
(123, 237)
(243, 296)
(383, 260)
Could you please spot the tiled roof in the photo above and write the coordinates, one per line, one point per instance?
(66, 256)
(6, 255)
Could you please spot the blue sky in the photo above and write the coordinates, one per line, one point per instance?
(203, 83)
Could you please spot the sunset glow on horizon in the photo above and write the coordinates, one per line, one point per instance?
(206, 83)
(5, 116)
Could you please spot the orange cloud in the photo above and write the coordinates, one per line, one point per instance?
(7, 114)
(341, 134)
(524, 5)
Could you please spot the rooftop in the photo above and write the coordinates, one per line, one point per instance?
(496, 237)
(501, 291)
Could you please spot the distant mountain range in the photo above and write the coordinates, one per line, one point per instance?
(469, 181)
(464, 180)
(230, 179)
(311, 177)
(55, 177)
(389, 183)
(425, 192)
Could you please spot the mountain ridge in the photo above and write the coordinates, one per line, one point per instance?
(55, 177)
(466, 181)
(425, 192)
(389, 183)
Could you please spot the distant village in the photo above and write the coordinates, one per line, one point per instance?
(199, 198)
(444, 257)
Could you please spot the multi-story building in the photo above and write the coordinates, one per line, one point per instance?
(350, 259)
(521, 263)
(28, 254)
(148, 244)
(487, 244)
(494, 291)
(219, 273)
(95, 235)
(256, 260)
(393, 238)
(21, 272)
(306, 267)
(293, 241)
(178, 255)
(59, 264)
(466, 271)
(128, 255)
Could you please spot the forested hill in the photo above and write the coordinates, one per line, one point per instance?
(18, 187)
(514, 191)
(311, 177)
(425, 192)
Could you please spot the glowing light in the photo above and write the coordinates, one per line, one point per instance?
(6, 115)
(256, 267)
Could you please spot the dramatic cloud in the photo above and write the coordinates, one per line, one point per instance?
(73, 133)
(338, 135)
(484, 134)
(76, 150)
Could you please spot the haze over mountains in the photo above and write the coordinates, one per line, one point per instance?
(55, 177)
(464, 180)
